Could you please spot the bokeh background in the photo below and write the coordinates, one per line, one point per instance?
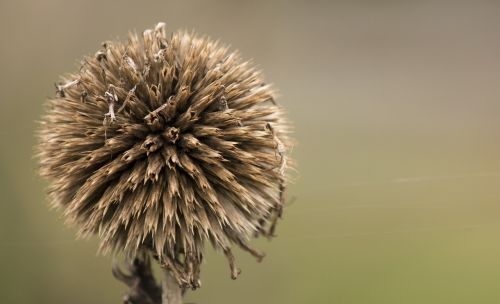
(396, 108)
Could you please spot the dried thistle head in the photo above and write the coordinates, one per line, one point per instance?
(160, 144)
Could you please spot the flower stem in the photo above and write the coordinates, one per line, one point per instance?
(171, 291)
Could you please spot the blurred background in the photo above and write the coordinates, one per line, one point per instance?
(396, 108)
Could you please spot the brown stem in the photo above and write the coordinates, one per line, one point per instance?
(171, 291)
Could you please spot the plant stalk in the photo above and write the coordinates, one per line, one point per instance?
(171, 291)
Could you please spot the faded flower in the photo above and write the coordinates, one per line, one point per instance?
(160, 144)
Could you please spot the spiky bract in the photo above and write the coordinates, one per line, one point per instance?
(160, 144)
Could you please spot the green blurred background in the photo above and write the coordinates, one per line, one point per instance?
(396, 108)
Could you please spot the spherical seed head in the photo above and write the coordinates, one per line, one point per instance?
(161, 144)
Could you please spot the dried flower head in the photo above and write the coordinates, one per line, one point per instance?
(157, 145)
